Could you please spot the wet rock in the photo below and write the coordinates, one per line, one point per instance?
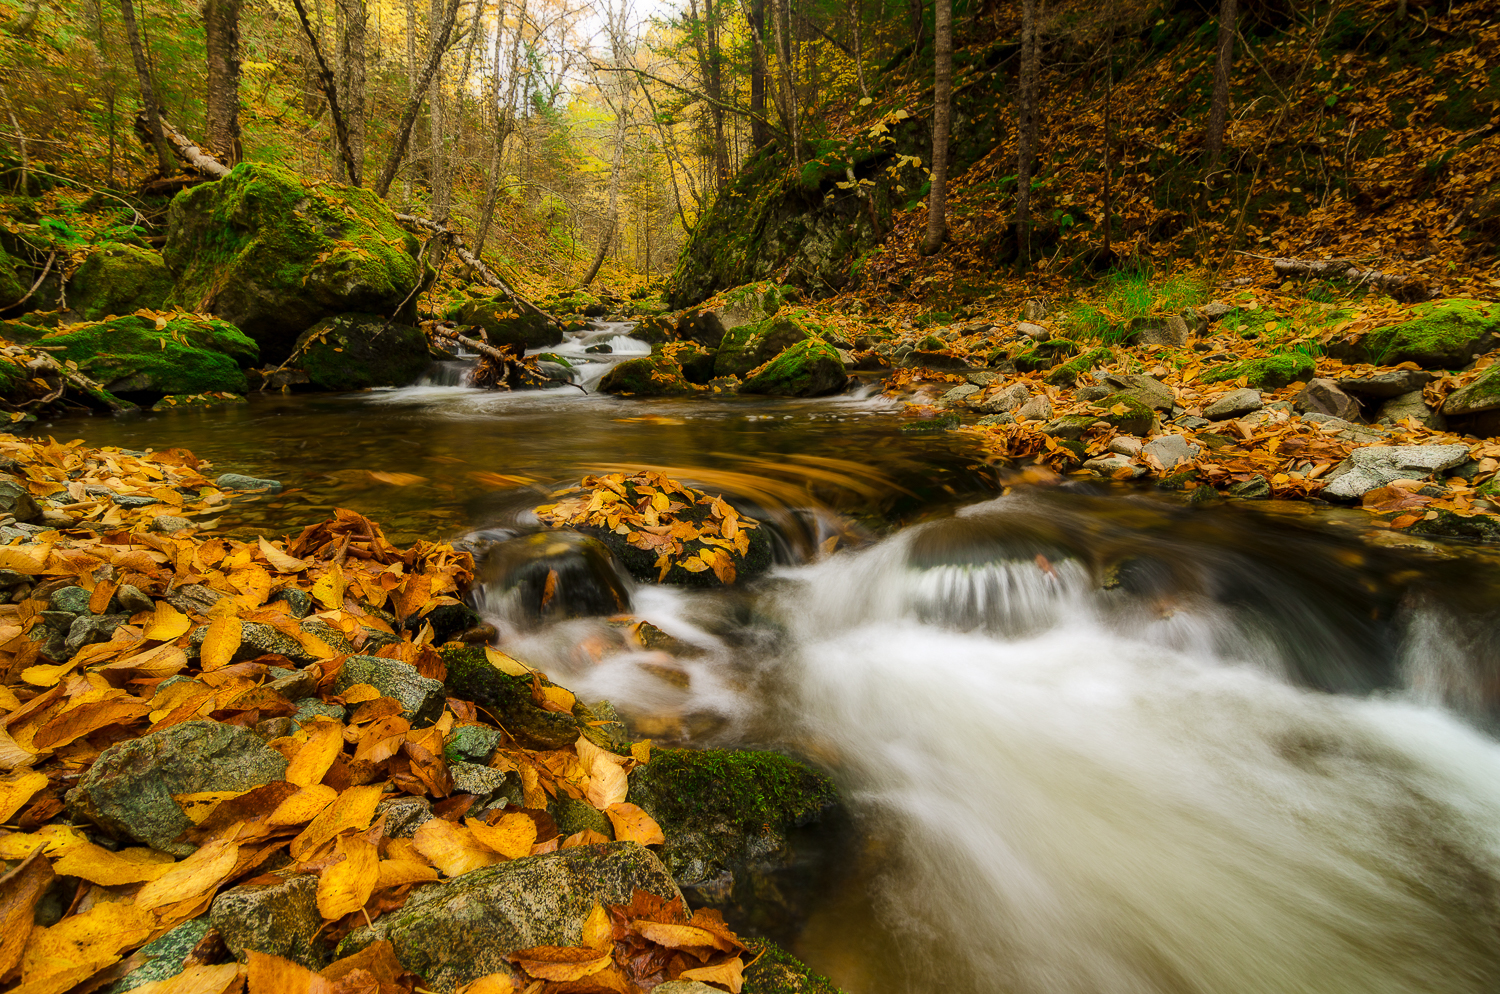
(777, 972)
(358, 351)
(811, 368)
(169, 523)
(1446, 524)
(958, 395)
(133, 500)
(1255, 488)
(554, 574)
(163, 956)
(1115, 467)
(472, 744)
(193, 598)
(1384, 385)
(749, 346)
(1038, 408)
(240, 482)
(311, 709)
(648, 376)
(274, 253)
(73, 600)
(1170, 451)
(1323, 396)
(485, 783)
(720, 808)
(130, 355)
(1009, 400)
(941, 361)
(1411, 405)
(454, 932)
(422, 698)
(1070, 426)
(257, 639)
(981, 377)
(16, 501)
(1374, 466)
(279, 919)
(1443, 334)
(297, 685)
(300, 601)
(128, 791)
(472, 677)
(1147, 389)
(1481, 395)
(1234, 404)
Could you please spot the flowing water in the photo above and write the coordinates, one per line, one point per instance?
(1090, 742)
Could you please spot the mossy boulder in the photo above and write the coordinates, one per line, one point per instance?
(775, 971)
(1268, 372)
(506, 324)
(167, 354)
(575, 302)
(648, 376)
(697, 362)
(198, 401)
(655, 330)
(119, 279)
(356, 351)
(1481, 395)
(1444, 334)
(1127, 413)
(1068, 373)
(810, 368)
(275, 253)
(720, 807)
(507, 698)
(752, 345)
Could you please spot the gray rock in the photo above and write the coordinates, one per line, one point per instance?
(958, 395)
(452, 933)
(1034, 310)
(482, 781)
(169, 523)
(1008, 399)
(1005, 418)
(73, 600)
(1383, 385)
(1092, 392)
(580, 816)
(1191, 423)
(1035, 332)
(1171, 330)
(1216, 310)
(1126, 445)
(1374, 466)
(16, 501)
(688, 986)
(300, 601)
(88, 629)
(1113, 464)
(1323, 396)
(312, 709)
(1255, 488)
(258, 639)
(163, 955)
(1147, 389)
(1481, 395)
(1411, 405)
(128, 791)
(1347, 431)
(421, 698)
(133, 599)
(1170, 450)
(296, 685)
(134, 500)
(240, 482)
(1038, 408)
(472, 744)
(981, 377)
(280, 919)
(404, 815)
(1234, 404)
(1196, 322)
(193, 598)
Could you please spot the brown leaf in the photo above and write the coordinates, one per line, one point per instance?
(20, 890)
(274, 975)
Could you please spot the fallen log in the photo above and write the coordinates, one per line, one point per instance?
(1408, 289)
(474, 262)
(186, 150)
(478, 346)
(509, 365)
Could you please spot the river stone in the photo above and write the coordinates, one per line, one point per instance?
(422, 698)
(258, 639)
(455, 932)
(404, 815)
(1035, 332)
(1443, 334)
(1383, 385)
(1115, 466)
(311, 709)
(128, 791)
(193, 598)
(1003, 418)
(1147, 389)
(1171, 330)
(1234, 404)
(118, 279)
(1255, 488)
(1412, 405)
(472, 677)
(1170, 450)
(958, 395)
(1038, 408)
(169, 523)
(16, 501)
(280, 919)
(240, 482)
(685, 987)
(482, 781)
(1481, 395)
(1323, 396)
(88, 629)
(356, 351)
(1376, 465)
(811, 368)
(74, 600)
(472, 744)
(1007, 400)
(163, 956)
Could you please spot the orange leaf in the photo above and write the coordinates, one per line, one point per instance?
(346, 886)
(168, 624)
(274, 975)
(199, 874)
(512, 836)
(562, 963)
(634, 825)
(730, 974)
(280, 560)
(452, 848)
(323, 745)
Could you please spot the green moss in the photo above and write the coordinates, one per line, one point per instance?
(1251, 322)
(752, 345)
(778, 972)
(506, 324)
(648, 376)
(1068, 373)
(184, 354)
(810, 368)
(197, 401)
(505, 698)
(1270, 372)
(687, 789)
(1444, 334)
(1135, 419)
(358, 351)
(119, 279)
(12, 285)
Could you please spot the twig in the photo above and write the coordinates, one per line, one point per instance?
(475, 263)
(45, 270)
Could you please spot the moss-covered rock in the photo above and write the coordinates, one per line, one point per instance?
(1444, 334)
(720, 807)
(574, 302)
(752, 345)
(1481, 395)
(655, 330)
(356, 351)
(1127, 413)
(1269, 372)
(648, 376)
(697, 362)
(119, 279)
(507, 324)
(1068, 373)
(810, 368)
(197, 401)
(275, 253)
(472, 677)
(13, 285)
(778, 972)
(167, 354)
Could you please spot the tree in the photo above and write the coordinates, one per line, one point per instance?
(148, 89)
(504, 121)
(612, 218)
(1218, 113)
(441, 33)
(351, 87)
(760, 135)
(786, 83)
(1027, 121)
(329, 87)
(705, 33)
(221, 28)
(942, 113)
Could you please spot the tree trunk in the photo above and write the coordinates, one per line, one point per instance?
(330, 92)
(760, 135)
(504, 122)
(437, 108)
(1218, 113)
(1109, 96)
(917, 11)
(221, 27)
(351, 88)
(942, 112)
(612, 218)
(412, 72)
(1026, 139)
(786, 81)
(441, 33)
(148, 89)
(856, 15)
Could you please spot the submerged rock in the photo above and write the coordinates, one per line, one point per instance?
(128, 791)
(275, 253)
(356, 351)
(455, 932)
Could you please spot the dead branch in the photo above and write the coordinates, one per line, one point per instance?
(1406, 288)
(474, 262)
(185, 149)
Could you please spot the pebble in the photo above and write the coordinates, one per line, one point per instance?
(1233, 404)
(240, 482)
(1126, 445)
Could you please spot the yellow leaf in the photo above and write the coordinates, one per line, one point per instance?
(606, 784)
(512, 836)
(325, 741)
(221, 642)
(200, 805)
(730, 974)
(641, 751)
(562, 963)
(16, 790)
(634, 825)
(329, 588)
(346, 886)
(505, 664)
(452, 848)
(99, 866)
(395, 872)
(199, 874)
(303, 806)
(200, 979)
(168, 624)
(598, 933)
(494, 983)
(46, 676)
(280, 560)
(352, 811)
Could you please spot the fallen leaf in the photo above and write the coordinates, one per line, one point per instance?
(16, 790)
(280, 560)
(562, 963)
(452, 848)
(20, 890)
(634, 825)
(100, 866)
(273, 975)
(325, 741)
(730, 974)
(512, 836)
(347, 885)
(221, 642)
(199, 874)
(201, 979)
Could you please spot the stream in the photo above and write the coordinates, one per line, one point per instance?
(1092, 741)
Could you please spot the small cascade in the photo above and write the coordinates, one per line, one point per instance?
(447, 373)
